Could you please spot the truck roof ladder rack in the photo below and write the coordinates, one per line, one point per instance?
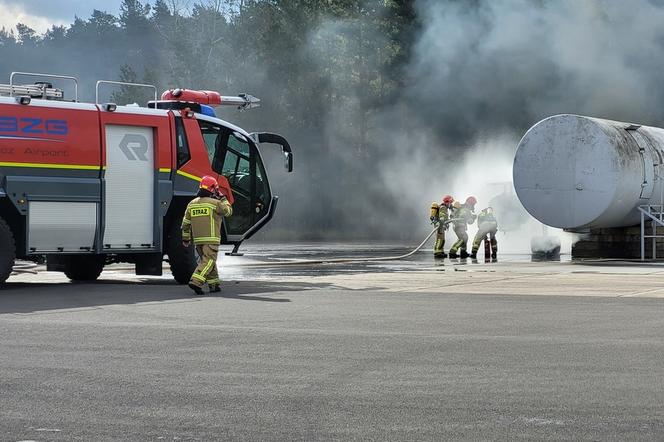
(38, 90)
(122, 83)
(32, 91)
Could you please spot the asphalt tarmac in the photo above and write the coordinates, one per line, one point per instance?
(415, 350)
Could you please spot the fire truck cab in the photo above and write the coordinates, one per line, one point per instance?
(91, 184)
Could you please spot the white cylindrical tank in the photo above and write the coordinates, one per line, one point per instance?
(576, 172)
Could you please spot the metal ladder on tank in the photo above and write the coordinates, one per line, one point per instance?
(653, 213)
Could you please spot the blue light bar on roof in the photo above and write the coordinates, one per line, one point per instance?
(207, 110)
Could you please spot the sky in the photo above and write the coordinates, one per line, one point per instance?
(42, 14)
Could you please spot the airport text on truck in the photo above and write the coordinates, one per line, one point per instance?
(90, 184)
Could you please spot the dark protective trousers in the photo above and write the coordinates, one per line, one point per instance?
(206, 271)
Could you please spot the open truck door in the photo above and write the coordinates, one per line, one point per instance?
(235, 156)
(271, 138)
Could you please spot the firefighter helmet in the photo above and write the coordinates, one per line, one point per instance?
(456, 205)
(471, 201)
(209, 183)
(448, 199)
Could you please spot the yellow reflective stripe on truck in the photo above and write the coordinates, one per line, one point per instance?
(188, 175)
(51, 166)
(78, 166)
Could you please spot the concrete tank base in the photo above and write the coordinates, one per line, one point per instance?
(616, 242)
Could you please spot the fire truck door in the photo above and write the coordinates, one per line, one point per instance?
(239, 161)
(129, 182)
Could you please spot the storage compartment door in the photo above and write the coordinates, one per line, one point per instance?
(55, 226)
(129, 187)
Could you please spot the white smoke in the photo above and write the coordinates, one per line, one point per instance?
(481, 73)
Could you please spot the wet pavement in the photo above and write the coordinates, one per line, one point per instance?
(397, 350)
(281, 259)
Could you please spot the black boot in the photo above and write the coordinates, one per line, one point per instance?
(464, 254)
(473, 255)
(453, 255)
(215, 289)
(196, 289)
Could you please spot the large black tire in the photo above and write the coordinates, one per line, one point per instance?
(182, 260)
(7, 251)
(85, 267)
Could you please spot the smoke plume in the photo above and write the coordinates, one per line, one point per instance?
(487, 66)
(482, 72)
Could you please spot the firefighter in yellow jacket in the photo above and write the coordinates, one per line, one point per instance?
(438, 215)
(486, 225)
(202, 223)
(463, 213)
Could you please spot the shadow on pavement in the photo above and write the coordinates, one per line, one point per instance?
(36, 297)
(252, 298)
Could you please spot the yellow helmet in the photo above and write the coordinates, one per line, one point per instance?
(456, 205)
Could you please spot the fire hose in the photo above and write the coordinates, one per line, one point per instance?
(348, 260)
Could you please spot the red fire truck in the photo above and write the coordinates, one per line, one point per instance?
(88, 184)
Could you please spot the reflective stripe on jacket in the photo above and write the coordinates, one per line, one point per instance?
(202, 220)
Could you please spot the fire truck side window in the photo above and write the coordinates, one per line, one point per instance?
(181, 143)
(230, 166)
(262, 191)
(237, 168)
(236, 142)
(211, 134)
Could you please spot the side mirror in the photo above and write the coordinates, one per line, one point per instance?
(288, 161)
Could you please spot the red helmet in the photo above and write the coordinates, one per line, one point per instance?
(209, 183)
(471, 201)
(448, 199)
